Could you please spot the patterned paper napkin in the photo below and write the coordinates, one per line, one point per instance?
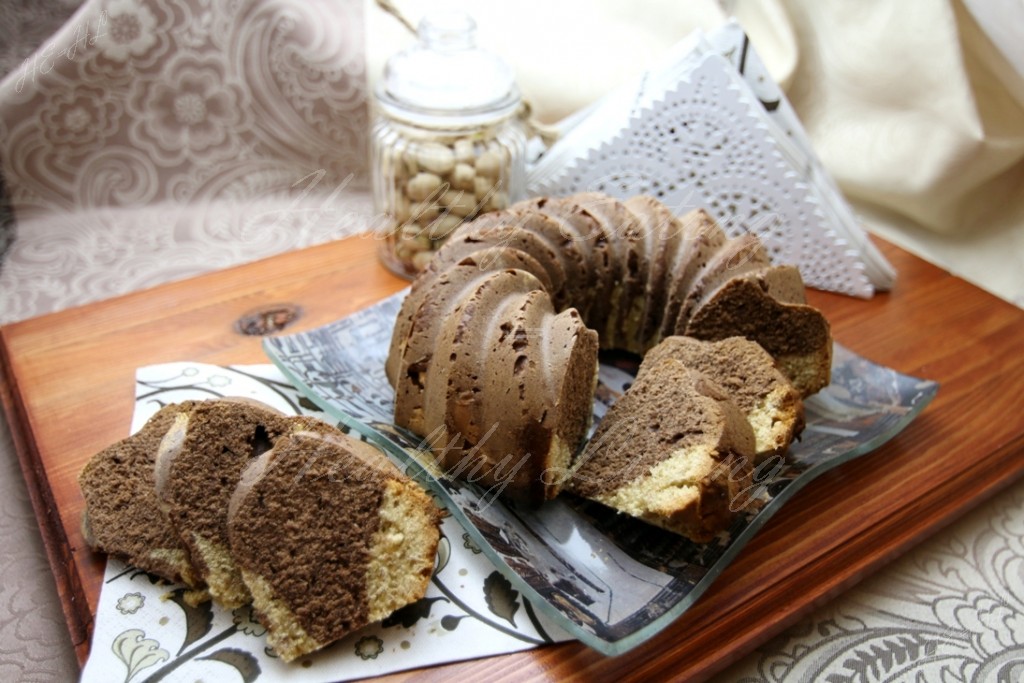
(145, 631)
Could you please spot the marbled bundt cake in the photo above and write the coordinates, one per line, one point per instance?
(631, 272)
(767, 305)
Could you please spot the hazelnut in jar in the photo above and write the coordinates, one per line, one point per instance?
(447, 143)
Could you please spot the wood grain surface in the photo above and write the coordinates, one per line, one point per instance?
(68, 390)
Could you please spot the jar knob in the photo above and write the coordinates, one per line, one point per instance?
(447, 31)
(445, 72)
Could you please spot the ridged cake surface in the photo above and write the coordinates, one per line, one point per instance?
(581, 273)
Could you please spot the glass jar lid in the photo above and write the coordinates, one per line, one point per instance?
(446, 74)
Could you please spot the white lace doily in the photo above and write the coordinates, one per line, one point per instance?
(705, 143)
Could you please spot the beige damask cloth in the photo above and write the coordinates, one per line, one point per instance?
(150, 140)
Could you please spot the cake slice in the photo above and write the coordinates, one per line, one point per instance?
(329, 536)
(198, 464)
(673, 451)
(770, 402)
(732, 259)
(767, 306)
(122, 514)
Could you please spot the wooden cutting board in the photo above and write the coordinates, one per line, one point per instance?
(68, 391)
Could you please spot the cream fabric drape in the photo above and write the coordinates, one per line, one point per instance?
(919, 115)
(912, 108)
(916, 108)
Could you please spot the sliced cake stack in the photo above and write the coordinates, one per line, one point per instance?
(318, 530)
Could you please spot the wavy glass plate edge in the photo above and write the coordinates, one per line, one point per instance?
(656, 625)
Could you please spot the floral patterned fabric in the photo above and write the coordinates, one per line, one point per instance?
(172, 138)
(141, 102)
(951, 610)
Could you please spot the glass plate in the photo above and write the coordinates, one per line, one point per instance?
(607, 579)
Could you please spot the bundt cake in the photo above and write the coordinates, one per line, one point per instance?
(122, 515)
(329, 536)
(631, 272)
(768, 400)
(674, 450)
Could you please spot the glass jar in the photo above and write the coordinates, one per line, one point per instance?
(447, 144)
